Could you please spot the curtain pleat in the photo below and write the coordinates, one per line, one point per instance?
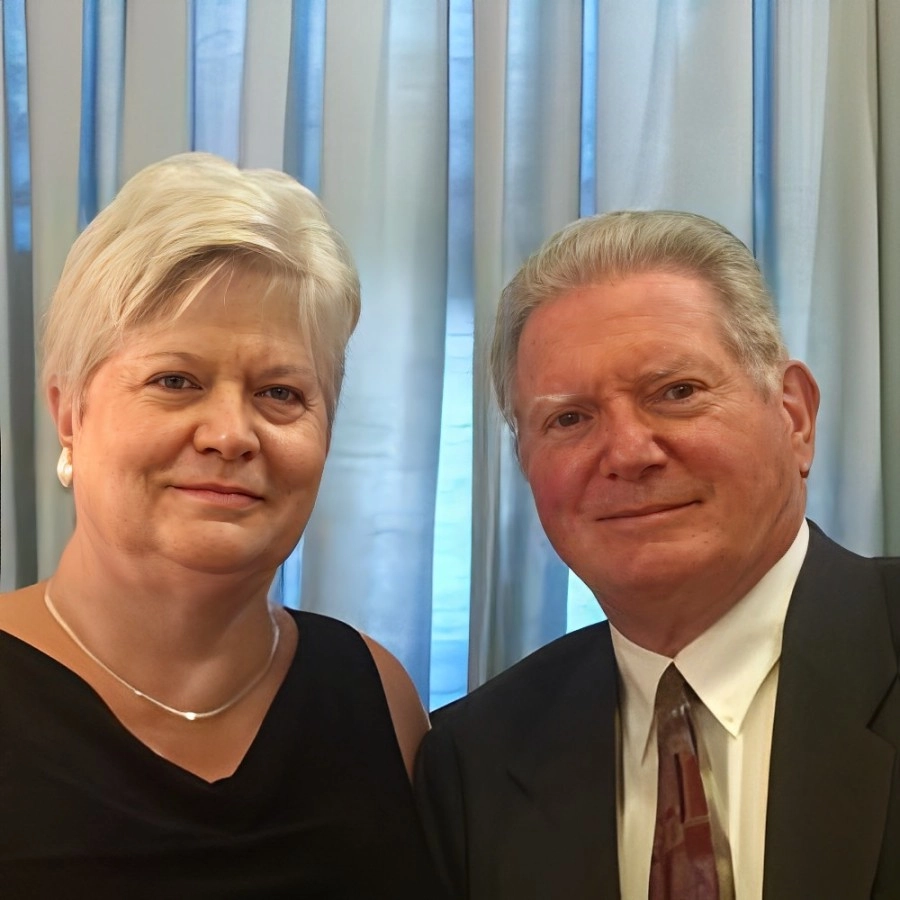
(156, 113)
(368, 549)
(265, 89)
(54, 96)
(788, 197)
(489, 441)
(674, 109)
(519, 600)
(451, 574)
(218, 35)
(18, 513)
(102, 68)
(844, 328)
(306, 93)
(110, 98)
(888, 25)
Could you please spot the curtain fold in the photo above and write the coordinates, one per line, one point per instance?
(218, 43)
(54, 95)
(489, 59)
(888, 25)
(306, 93)
(156, 110)
(265, 85)
(451, 573)
(844, 322)
(797, 59)
(18, 514)
(674, 109)
(102, 69)
(368, 550)
(519, 594)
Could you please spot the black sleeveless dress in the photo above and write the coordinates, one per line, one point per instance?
(320, 807)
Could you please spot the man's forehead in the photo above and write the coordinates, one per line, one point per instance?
(672, 282)
(651, 301)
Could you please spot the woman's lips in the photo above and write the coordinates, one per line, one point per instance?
(220, 495)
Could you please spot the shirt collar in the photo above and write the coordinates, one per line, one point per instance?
(725, 665)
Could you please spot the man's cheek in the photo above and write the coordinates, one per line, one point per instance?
(551, 494)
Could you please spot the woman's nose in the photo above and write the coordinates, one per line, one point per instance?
(226, 426)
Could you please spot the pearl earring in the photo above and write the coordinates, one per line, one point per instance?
(64, 467)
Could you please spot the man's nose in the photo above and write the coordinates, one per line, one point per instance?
(629, 445)
(226, 425)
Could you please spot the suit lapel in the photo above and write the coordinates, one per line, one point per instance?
(830, 773)
(565, 778)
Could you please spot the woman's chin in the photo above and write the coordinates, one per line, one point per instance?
(226, 559)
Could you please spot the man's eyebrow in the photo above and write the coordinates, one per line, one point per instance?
(676, 366)
(680, 367)
(673, 367)
(542, 401)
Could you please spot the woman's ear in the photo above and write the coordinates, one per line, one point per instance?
(62, 409)
(800, 398)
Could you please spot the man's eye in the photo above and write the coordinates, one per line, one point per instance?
(679, 392)
(567, 419)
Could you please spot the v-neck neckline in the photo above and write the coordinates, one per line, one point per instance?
(75, 682)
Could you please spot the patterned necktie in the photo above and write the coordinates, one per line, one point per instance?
(683, 866)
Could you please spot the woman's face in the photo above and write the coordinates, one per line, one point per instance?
(203, 439)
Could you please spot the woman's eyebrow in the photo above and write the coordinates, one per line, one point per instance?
(279, 371)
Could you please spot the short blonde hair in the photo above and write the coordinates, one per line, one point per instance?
(631, 242)
(171, 229)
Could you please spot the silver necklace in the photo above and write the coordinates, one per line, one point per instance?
(181, 713)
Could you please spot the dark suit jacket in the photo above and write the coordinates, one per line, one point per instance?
(517, 782)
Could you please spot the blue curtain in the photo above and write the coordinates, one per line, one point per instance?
(18, 508)
(448, 140)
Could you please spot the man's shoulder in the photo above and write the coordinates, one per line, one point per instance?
(824, 551)
(844, 605)
(821, 542)
(890, 573)
(575, 664)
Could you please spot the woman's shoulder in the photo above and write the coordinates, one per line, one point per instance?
(407, 712)
(21, 611)
(337, 641)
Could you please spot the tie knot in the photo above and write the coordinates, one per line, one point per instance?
(672, 693)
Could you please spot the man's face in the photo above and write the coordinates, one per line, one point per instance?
(661, 472)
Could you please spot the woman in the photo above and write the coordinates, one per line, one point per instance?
(164, 730)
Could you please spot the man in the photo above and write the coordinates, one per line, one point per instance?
(666, 438)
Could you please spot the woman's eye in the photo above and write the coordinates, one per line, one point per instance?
(679, 392)
(282, 394)
(173, 382)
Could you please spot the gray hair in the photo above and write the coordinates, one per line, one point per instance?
(170, 230)
(619, 244)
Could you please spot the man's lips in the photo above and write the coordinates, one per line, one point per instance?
(639, 512)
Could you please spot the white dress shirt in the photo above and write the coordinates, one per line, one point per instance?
(733, 669)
